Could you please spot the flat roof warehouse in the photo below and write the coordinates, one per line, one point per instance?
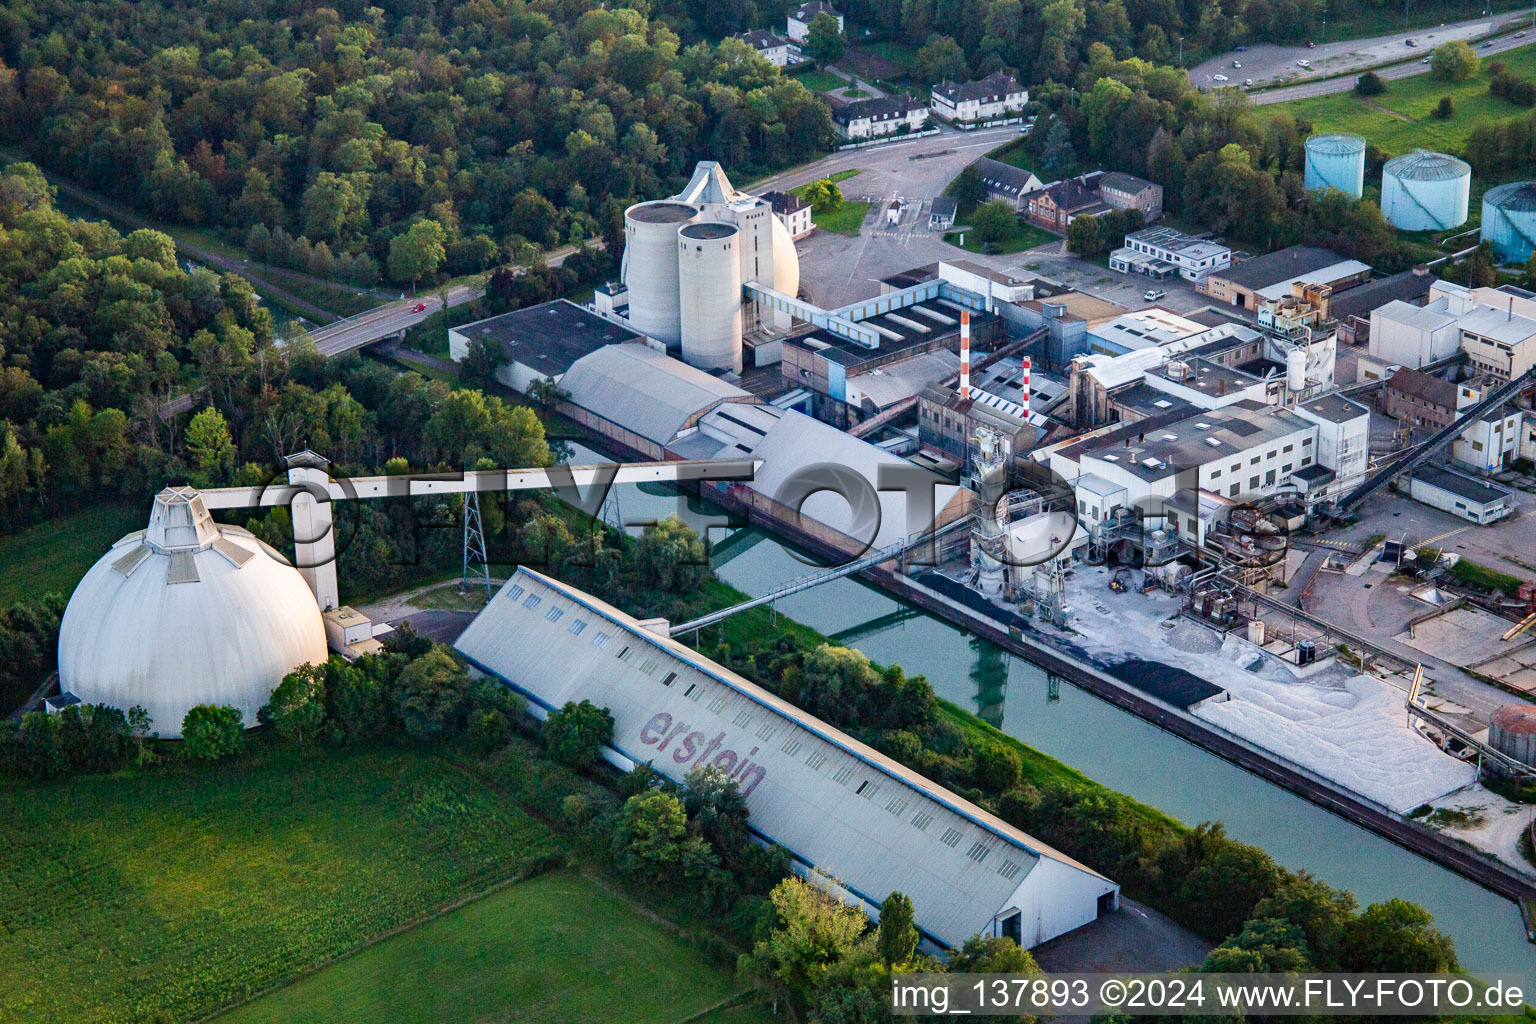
(837, 805)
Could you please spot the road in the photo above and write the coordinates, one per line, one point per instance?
(1332, 63)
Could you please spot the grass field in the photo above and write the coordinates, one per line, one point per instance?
(844, 220)
(820, 81)
(55, 554)
(553, 948)
(1399, 120)
(184, 889)
(1023, 236)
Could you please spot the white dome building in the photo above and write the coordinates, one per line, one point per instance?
(187, 612)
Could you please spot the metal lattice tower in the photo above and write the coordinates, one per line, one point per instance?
(474, 546)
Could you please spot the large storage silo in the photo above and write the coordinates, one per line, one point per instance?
(1512, 731)
(1509, 220)
(709, 270)
(1336, 161)
(1425, 191)
(650, 267)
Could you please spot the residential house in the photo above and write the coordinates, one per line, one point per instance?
(1060, 203)
(773, 48)
(798, 27)
(793, 212)
(999, 95)
(1006, 182)
(878, 117)
(1128, 192)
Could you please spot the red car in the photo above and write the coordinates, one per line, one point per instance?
(420, 307)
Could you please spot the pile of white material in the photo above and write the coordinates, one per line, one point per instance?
(1354, 734)
(1350, 730)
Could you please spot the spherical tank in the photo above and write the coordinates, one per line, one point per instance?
(1425, 191)
(786, 262)
(709, 271)
(1509, 220)
(650, 267)
(1512, 731)
(187, 612)
(1336, 161)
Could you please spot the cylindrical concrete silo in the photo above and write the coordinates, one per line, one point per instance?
(1509, 220)
(709, 272)
(1425, 191)
(1512, 731)
(650, 267)
(1336, 161)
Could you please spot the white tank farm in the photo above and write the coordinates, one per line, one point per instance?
(710, 275)
(1509, 220)
(1425, 191)
(187, 612)
(650, 267)
(1337, 162)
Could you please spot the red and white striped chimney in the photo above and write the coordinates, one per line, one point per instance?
(1024, 383)
(965, 353)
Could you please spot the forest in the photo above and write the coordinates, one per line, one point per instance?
(503, 124)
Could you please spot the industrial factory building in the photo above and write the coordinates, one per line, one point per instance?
(840, 807)
(641, 398)
(540, 342)
(187, 612)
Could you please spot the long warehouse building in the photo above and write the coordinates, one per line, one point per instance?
(840, 807)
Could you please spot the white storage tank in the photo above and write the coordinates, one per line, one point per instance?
(1425, 191)
(650, 267)
(709, 270)
(1296, 370)
(1336, 161)
(1509, 220)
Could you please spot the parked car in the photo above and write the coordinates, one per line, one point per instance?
(1311, 45)
(1409, 42)
(1237, 64)
(1154, 294)
(420, 307)
(1303, 63)
(1219, 78)
(1242, 49)
(1247, 81)
(1519, 35)
(1427, 60)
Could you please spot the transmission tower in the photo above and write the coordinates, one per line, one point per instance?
(474, 547)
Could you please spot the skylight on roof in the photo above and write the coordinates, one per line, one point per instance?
(1214, 442)
(1163, 403)
(1170, 437)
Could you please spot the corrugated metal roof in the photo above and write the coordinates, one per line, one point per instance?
(127, 563)
(644, 391)
(183, 568)
(839, 805)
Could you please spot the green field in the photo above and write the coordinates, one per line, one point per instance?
(820, 81)
(1023, 236)
(846, 219)
(553, 948)
(55, 554)
(1399, 120)
(184, 889)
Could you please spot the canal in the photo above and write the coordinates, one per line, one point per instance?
(1109, 745)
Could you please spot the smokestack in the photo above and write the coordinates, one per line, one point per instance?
(1024, 383)
(965, 353)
